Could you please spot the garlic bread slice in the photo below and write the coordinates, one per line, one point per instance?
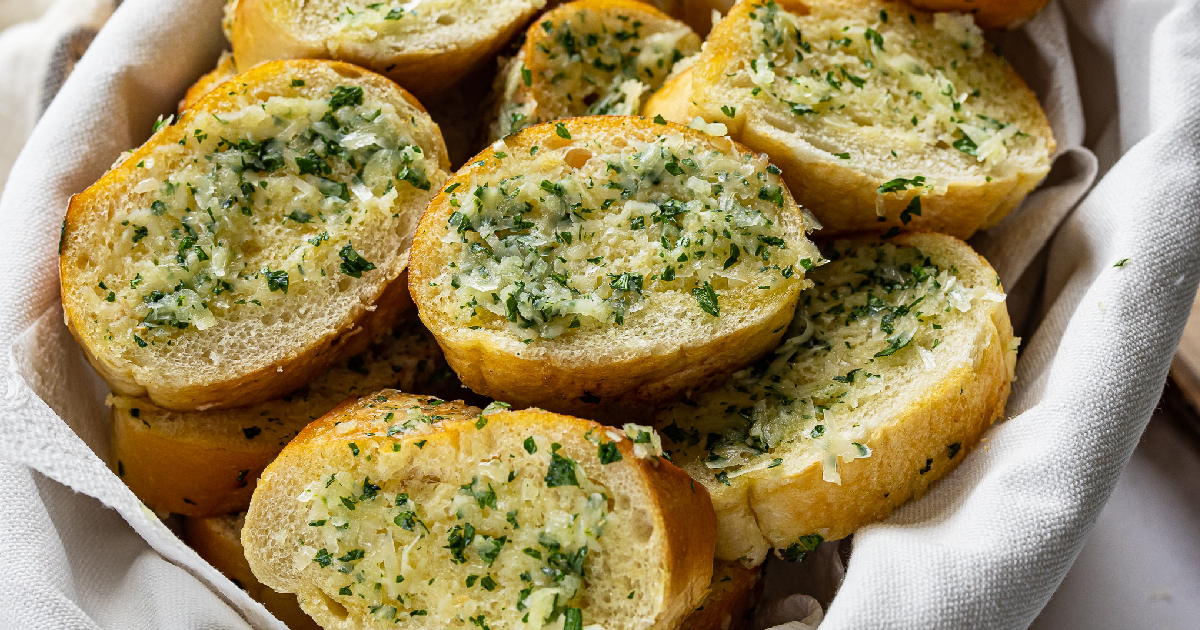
(881, 116)
(608, 259)
(405, 509)
(219, 541)
(256, 241)
(205, 463)
(897, 360)
(425, 46)
(989, 13)
(590, 57)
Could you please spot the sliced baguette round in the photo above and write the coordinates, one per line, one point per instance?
(865, 114)
(989, 13)
(221, 265)
(205, 463)
(612, 204)
(589, 57)
(425, 47)
(872, 397)
(731, 598)
(219, 541)
(460, 520)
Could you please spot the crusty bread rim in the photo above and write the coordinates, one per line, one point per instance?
(498, 364)
(302, 364)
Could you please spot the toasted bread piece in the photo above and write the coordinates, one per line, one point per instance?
(731, 598)
(226, 69)
(405, 508)
(698, 14)
(589, 57)
(424, 46)
(255, 242)
(219, 541)
(868, 105)
(665, 258)
(897, 361)
(989, 13)
(205, 463)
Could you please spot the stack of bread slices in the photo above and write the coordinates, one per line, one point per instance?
(698, 301)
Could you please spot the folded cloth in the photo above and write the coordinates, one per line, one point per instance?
(985, 548)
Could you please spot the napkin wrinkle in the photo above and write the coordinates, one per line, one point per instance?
(984, 548)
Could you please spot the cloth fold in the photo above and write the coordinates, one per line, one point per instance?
(985, 548)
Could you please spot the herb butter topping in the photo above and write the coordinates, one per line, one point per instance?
(591, 61)
(252, 205)
(523, 530)
(875, 310)
(921, 80)
(589, 246)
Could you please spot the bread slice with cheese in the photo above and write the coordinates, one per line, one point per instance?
(205, 463)
(897, 360)
(424, 46)
(989, 13)
(589, 57)
(219, 541)
(406, 509)
(882, 117)
(608, 259)
(256, 241)
(731, 598)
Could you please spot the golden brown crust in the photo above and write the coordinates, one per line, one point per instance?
(258, 35)
(989, 13)
(844, 199)
(300, 364)
(224, 71)
(967, 402)
(217, 541)
(910, 448)
(731, 598)
(499, 365)
(683, 521)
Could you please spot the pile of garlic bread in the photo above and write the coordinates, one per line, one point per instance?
(700, 296)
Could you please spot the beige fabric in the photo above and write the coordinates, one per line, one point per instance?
(984, 549)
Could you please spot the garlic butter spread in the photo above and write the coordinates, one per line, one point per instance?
(610, 226)
(522, 531)
(875, 310)
(591, 62)
(252, 206)
(919, 81)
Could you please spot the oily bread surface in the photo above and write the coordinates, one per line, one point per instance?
(206, 463)
(666, 530)
(671, 347)
(843, 193)
(907, 433)
(293, 341)
(456, 37)
(989, 13)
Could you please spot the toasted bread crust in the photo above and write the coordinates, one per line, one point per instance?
(259, 31)
(224, 71)
(680, 511)
(206, 463)
(218, 541)
(298, 364)
(909, 449)
(547, 373)
(989, 13)
(731, 599)
(844, 199)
